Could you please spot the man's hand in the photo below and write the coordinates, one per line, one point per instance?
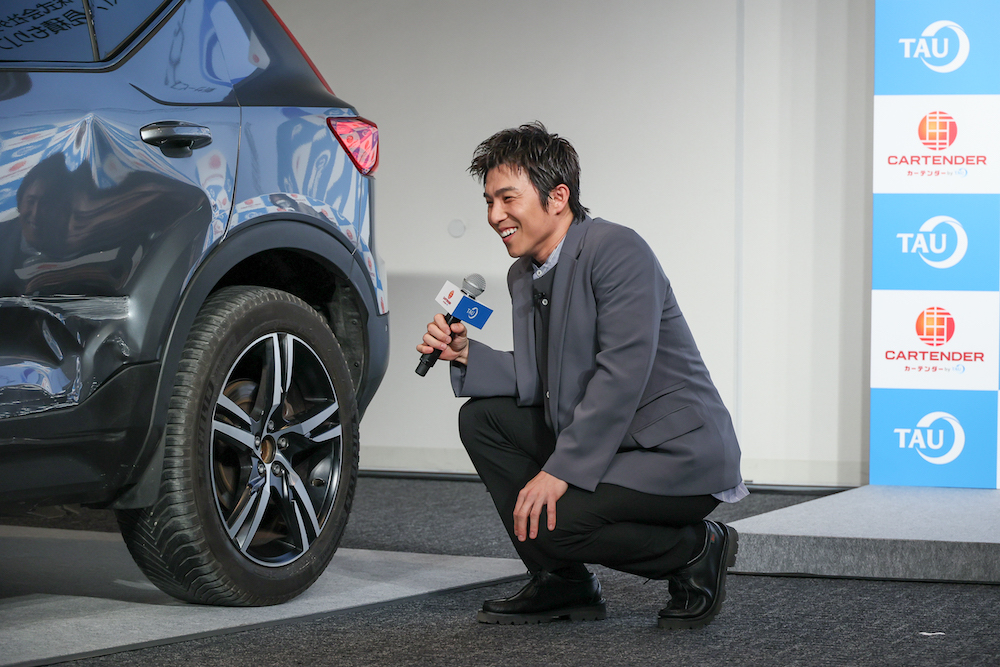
(542, 491)
(453, 341)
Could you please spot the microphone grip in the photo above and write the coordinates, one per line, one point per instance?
(428, 359)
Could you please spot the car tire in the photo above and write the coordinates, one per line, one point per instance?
(260, 459)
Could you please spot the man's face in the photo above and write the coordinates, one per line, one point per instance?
(32, 213)
(516, 213)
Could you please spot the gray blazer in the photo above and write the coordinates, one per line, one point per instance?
(631, 399)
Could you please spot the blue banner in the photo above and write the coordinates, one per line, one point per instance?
(936, 242)
(934, 438)
(935, 318)
(929, 47)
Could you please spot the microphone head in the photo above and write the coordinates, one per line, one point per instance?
(474, 285)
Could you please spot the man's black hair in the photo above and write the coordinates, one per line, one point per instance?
(53, 171)
(548, 159)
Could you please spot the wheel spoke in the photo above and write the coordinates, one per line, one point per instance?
(233, 409)
(278, 377)
(243, 527)
(306, 427)
(300, 512)
(272, 375)
(288, 347)
(327, 435)
(244, 438)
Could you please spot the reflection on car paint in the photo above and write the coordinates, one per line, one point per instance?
(291, 202)
(217, 181)
(77, 227)
(238, 54)
(191, 74)
(315, 171)
(44, 367)
(374, 265)
(109, 150)
(311, 161)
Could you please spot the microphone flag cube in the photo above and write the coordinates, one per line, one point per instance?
(461, 306)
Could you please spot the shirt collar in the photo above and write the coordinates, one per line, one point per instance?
(539, 271)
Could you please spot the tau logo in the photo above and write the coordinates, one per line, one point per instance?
(938, 48)
(922, 438)
(933, 247)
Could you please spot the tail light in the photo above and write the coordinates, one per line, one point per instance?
(359, 137)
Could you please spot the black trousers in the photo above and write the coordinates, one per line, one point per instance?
(640, 533)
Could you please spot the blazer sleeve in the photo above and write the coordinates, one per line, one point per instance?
(629, 290)
(489, 373)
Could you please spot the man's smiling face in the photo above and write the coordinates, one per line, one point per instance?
(516, 213)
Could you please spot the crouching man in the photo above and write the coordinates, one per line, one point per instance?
(601, 437)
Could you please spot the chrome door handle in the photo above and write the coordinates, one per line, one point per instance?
(176, 138)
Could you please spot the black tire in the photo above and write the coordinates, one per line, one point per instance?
(261, 456)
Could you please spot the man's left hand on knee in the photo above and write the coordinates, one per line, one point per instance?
(541, 492)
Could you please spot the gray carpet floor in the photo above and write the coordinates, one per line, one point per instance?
(765, 620)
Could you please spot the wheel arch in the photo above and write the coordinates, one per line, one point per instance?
(310, 263)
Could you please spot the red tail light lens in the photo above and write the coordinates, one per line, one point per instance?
(359, 137)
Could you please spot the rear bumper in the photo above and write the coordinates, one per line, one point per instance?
(79, 454)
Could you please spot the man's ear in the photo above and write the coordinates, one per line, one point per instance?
(558, 199)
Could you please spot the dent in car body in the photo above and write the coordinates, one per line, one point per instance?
(51, 342)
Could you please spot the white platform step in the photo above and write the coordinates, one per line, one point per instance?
(881, 532)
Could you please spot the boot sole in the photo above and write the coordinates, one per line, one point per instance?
(596, 612)
(732, 548)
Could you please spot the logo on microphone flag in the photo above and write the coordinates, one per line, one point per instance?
(472, 312)
(466, 309)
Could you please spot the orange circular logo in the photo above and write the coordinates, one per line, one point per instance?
(938, 130)
(935, 326)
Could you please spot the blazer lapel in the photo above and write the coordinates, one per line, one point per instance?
(561, 287)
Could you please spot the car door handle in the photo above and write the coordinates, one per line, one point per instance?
(176, 138)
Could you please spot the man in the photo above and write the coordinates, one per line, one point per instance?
(601, 437)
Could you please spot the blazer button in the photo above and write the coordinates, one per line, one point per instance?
(545, 302)
(546, 394)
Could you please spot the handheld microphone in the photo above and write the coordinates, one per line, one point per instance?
(473, 285)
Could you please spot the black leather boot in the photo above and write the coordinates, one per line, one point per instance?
(698, 589)
(548, 597)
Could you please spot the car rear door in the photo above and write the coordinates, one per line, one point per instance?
(118, 148)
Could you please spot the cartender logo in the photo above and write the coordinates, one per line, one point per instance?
(921, 438)
(937, 130)
(935, 326)
(926, 241)
(939, 48)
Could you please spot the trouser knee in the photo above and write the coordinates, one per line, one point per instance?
(559, 544)
(468, 419)
(474, 422)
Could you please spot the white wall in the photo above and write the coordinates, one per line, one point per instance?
(732, 135)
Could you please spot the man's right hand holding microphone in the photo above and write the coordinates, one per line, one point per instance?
(452, 340)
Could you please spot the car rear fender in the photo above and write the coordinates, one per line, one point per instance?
(222, 268)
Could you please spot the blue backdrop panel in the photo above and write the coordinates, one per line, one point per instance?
(929, 47)
(936, 242)
(934, 438)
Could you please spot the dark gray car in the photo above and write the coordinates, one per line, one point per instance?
(192, 310)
